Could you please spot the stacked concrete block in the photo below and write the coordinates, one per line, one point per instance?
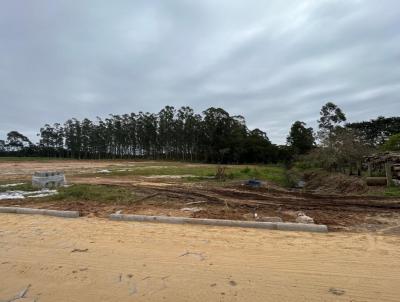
(48, 179)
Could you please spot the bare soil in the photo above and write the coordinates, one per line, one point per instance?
(94, 259)
(226, 200)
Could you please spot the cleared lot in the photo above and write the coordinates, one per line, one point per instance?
(190, 190)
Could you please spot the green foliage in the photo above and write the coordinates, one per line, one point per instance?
(172, 134)
(341, 149)
(17, 141)
(300, 138)
(376, 131)
(331, 116)
(393, 143)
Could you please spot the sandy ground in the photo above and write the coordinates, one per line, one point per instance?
(91, 259)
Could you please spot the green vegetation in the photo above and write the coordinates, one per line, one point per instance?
(84, 192)
(172, 134)
(98, 193)
(392, 191)
(300, 138)
(22, 187)
(273, 173)
(393, 143)
(387, 191)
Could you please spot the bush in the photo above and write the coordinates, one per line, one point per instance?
(393, 143)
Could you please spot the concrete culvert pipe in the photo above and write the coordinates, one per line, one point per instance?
(282, 226)
(17, 210)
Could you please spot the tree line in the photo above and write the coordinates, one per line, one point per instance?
(181, 134)
(171, 134)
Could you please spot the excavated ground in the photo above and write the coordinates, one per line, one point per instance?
(229, 200)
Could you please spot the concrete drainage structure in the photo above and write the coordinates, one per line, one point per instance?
(48, 179)
(281, 226)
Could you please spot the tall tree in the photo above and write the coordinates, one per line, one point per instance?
(376, 131)
(17, 141)
(300, 138)
(331, 117)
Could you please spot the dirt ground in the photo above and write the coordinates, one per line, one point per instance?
(229, 200)
(93, 259)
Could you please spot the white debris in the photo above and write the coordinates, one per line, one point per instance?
(43, 194)
(12, 185)
(104, 171)
(303, 218)
(194, 209)
(27, 194)
(11, 195)
(171, 176)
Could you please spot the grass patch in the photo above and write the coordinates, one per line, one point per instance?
(22, 187)
(273, 173)
(392, 192)
(99, 193)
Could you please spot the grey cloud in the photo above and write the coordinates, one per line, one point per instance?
(273, 62)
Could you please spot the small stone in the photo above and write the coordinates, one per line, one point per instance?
(337, 291)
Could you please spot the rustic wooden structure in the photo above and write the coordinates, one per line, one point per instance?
(389, 162)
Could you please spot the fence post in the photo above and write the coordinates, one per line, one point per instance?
(388, 169)
(369, 170)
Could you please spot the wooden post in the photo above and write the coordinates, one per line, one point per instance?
(369, 170)
(358, 168)
(388, 169)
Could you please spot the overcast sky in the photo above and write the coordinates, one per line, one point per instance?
(273, 62)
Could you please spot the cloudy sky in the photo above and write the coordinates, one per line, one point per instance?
(273, 62)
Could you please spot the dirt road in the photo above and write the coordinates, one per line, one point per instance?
(90, 259)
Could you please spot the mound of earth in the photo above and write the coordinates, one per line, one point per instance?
(324, 183)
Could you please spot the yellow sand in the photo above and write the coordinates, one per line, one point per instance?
(128, 261)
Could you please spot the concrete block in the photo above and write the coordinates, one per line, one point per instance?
(17, 210)
(283, 226)
(48, 179)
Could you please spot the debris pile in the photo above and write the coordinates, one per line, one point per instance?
(26, 194)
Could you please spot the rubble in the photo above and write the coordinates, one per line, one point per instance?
(303, 218)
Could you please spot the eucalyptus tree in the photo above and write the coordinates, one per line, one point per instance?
(167, 139)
